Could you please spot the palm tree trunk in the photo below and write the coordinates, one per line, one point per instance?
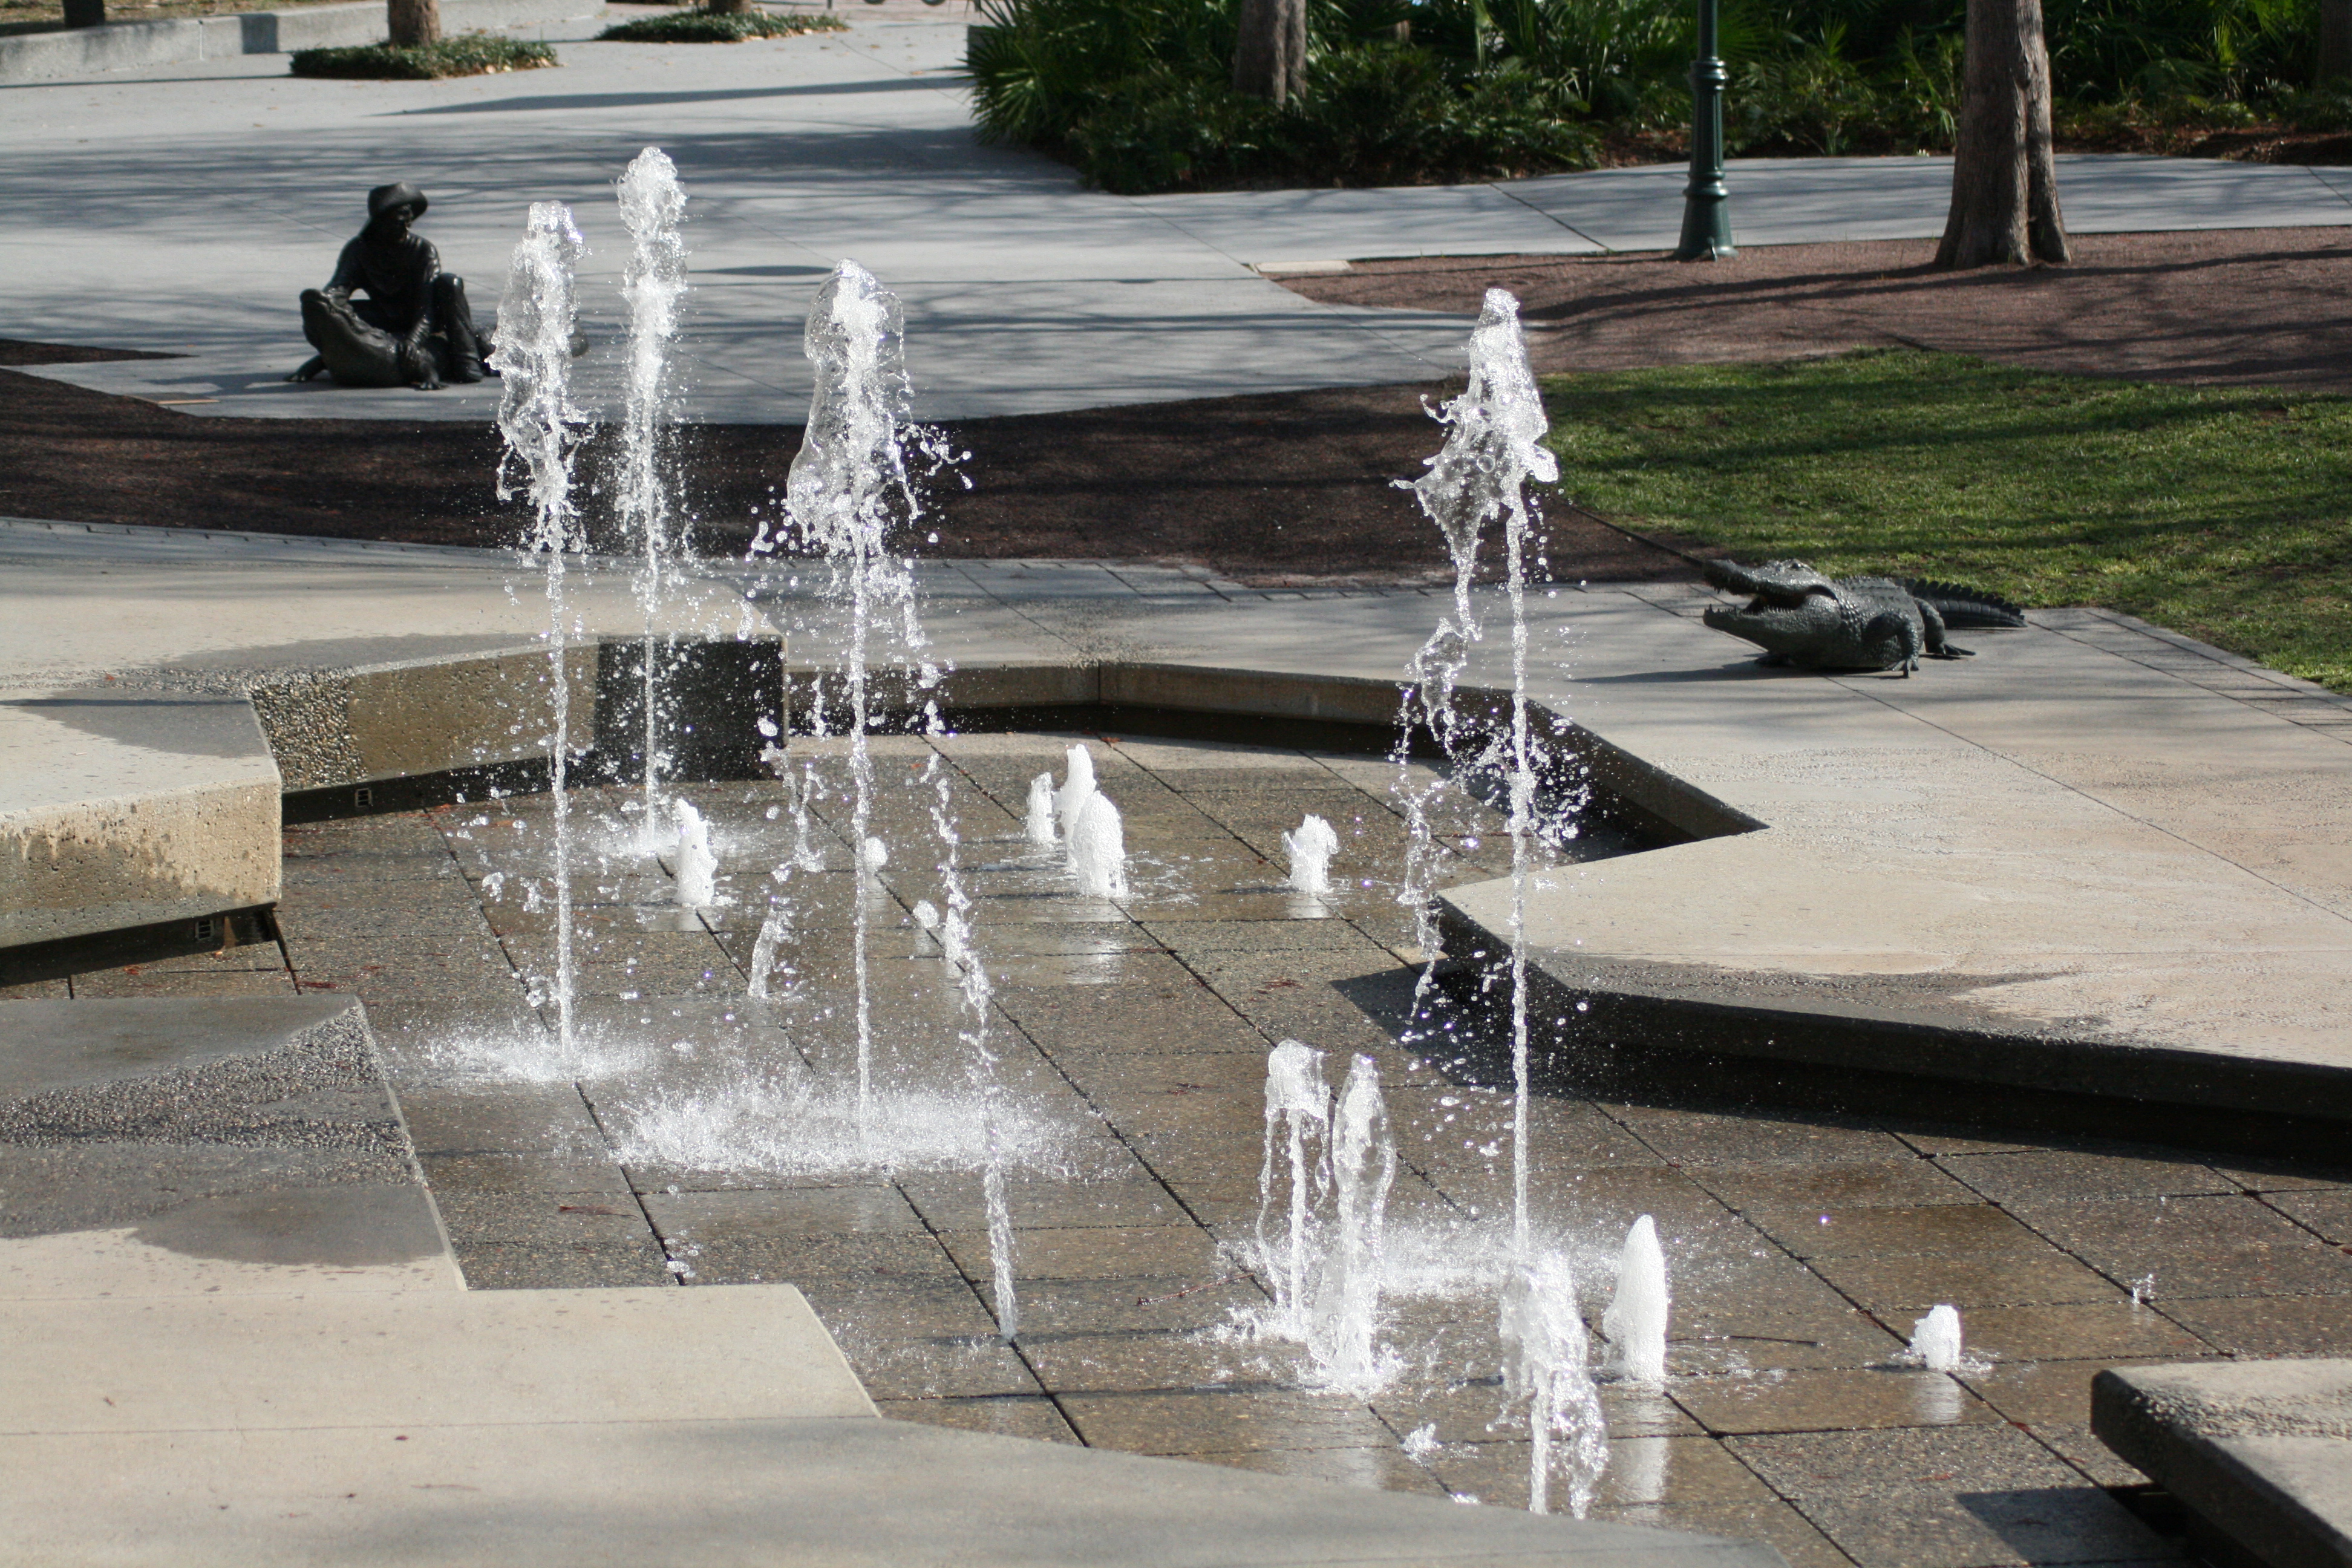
(2334, 40)
(2004, 172)
(413, 21)
(1270, 57)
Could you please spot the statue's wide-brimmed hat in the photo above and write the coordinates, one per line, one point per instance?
(383, 198)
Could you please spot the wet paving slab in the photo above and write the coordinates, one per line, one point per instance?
(698, 1133)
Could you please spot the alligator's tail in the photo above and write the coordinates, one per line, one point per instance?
(1965, 607)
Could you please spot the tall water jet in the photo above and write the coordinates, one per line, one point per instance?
(1343, 1336)
(653, 207)
(1494, 446)
(1635, 1323)
(849, 476)
(1098, 848)
(697, 885)
(953, 930)
(1310, 849)
(542, 430)
(1545, 1350)
(1297, 1117)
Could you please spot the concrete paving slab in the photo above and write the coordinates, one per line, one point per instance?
(1793, 201)
(476, 1358)
(829, 1492)
(1261, 228)
(51, 1045)
(208, 1147)
(2259, 1452)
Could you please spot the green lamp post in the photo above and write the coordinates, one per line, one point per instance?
(1707, 206)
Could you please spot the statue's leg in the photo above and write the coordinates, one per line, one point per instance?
(356, 353)
(1938, 645)
(465, 346)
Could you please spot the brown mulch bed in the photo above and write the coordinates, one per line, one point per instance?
(1280, 488)
(1276, 488)
(2239, 307)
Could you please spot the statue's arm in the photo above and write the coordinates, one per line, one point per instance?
(347, 277)
(414, 352)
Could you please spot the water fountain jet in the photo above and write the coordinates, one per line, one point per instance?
(542, 430)
(652, 208)
(1310, 849)
(1546, 1350)
(1635, 1323)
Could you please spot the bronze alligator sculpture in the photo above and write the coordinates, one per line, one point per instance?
(1800, 617)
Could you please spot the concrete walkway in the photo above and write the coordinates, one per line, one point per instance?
(1024, 293)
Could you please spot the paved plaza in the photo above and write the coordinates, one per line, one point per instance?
(2077, 913)
(1024, 293)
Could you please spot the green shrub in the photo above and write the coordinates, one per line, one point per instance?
(1139, 100)
(1812, 100)
(1135, 92)
(475, 54)
(696, 26)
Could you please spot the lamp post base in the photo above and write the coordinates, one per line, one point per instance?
(1706, 228)
(1707, 206)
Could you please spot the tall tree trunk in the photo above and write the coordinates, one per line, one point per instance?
(2004, 178)
(2334, 40)
(415, 22)
(85, 13)
(726, 5)
(1270, 58)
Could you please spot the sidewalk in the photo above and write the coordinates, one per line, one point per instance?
(1023, 292)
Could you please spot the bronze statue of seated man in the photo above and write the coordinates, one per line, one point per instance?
(414, 328)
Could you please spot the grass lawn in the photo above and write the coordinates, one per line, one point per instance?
(2223, 513)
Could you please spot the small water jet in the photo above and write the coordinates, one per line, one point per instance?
(1077, 784)
(1310, 849)
(696, 882)
(1298, 1118)
(1935, 1340)
(541, 429)
(1098, 848)
(1635, 1323)
(1546, 1350)
(1039, 822)
(1328, 1269)
(1343, 1333)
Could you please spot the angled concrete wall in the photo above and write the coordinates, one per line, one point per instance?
(129, 809)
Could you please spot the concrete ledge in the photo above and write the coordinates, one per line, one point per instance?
(834, 1493)
(1862, 1043)
(133, 45)
(2259, 1453)
(131, 808)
